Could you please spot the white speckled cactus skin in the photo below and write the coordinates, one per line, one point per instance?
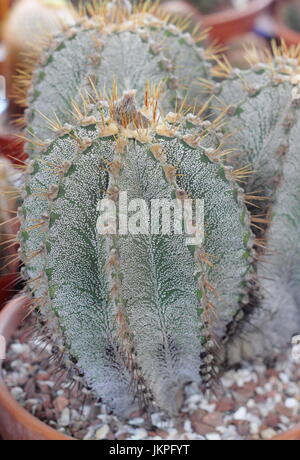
(144, 315)
(263, 107)
(134, 319)
(114, 48)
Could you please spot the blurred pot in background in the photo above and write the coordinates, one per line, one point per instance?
(28, 23)
(287, 16)
(225, 18)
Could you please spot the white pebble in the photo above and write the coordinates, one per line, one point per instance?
(64, 419)
(188, 426)
(254, 428)
(213, 437)
(140, 433)
(194, 399)
(17, 393)
(291, 403)
(268, 434)
(102, 432)
(240, 414)
(208, 407)
(136, 421)
(19, 348)
(283, 377)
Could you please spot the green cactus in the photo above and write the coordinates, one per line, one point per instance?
(263, 106)
(135, 321)
(143, 314)
(113, 47)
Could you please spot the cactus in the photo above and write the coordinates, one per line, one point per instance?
(31, 21)
(139, 325)
(142, 314)
(113, 47)
(211, 6)
(263, 105)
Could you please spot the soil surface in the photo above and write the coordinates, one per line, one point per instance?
(253, 403)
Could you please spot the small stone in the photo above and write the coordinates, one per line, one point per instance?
(202, 428)
(254, 428)
(213, 419)
(243, 428)
(213, 437)
(140, 433)
(64, 419)
(291, 403)
(268, 434)
(272, 420)
(42, 376)
(226, 405)
(60, 403)
(136, 421)
(240, 414)
(17, 393)
(102, 432)
(161, 433)
(207, 407)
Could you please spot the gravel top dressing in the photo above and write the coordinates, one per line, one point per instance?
(254, 402)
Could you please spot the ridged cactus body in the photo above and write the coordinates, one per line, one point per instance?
(134, 319)
(263, 107)
(143, 314)
(115, 48)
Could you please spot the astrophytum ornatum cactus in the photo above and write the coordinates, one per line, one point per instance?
(263, 108)
(142, 315)
(113, 46)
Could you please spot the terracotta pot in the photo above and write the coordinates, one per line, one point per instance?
(7, 287)
(291, 435)
(290, 36)
(15, 422)
(12, 147)
(224, 25)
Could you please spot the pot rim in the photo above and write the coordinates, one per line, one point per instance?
(10, 317)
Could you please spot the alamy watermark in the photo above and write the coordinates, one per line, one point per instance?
(157, 217)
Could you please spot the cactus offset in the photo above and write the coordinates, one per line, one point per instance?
(263, 107)
(113, 47)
